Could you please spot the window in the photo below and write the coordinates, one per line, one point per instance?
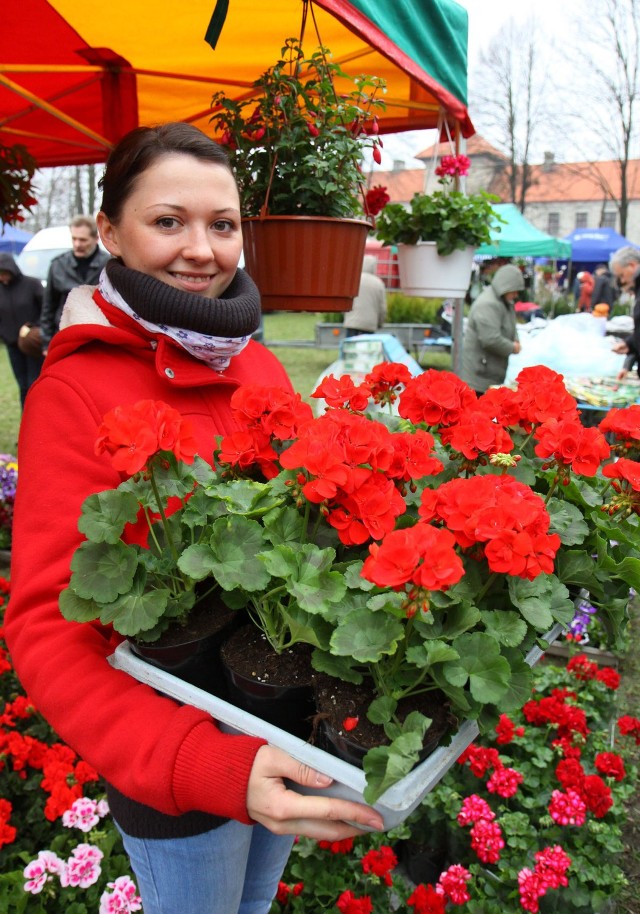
(582, 220)
(553, 224)
(609, 219)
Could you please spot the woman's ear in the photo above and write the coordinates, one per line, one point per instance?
(108, 234)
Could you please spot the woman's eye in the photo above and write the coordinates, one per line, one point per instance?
(223, 225)
(167, 222)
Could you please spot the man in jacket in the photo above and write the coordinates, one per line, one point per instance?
(625, 267)
(81, 266)
(604, 292)
(490, 336)
(20, 304)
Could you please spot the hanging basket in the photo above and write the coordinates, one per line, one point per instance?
(424, 272)
(305, 263)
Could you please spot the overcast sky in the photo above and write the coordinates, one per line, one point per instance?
(486, 18)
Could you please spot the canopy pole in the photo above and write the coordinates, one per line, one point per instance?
(458, 304)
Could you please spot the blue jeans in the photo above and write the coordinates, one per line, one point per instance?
(233, 869)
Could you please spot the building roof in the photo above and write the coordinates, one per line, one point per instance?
(574, 182)
(476, 145)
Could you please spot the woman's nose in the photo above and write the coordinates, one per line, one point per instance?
(198, 245)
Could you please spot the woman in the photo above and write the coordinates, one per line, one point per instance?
(206, 817)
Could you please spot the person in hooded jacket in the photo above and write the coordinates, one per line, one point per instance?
(20, 305)
(490, 335)
(207, 817)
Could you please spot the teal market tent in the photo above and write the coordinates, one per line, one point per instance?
(517, 237)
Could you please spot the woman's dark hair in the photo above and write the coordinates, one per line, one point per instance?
(141, 148)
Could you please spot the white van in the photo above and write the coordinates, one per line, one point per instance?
(39, 251)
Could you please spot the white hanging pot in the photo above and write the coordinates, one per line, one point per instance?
(424, 272)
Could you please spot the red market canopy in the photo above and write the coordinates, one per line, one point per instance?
(75, 75)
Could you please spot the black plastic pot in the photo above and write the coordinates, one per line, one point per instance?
(192, 653)
(265, 690)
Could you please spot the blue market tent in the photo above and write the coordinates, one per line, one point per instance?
(595, 245)
(12, 240)
(517, 237)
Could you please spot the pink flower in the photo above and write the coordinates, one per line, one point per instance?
(83, 867)
(124, 898)
(567, 808)
(39, 871)
(552, 864)
(83, 814)
(473, 809)
(504, 782)
(531, 889)
(487, 841)
(454, 883)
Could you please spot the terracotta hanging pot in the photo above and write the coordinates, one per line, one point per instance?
(424, 272)
(305, 263)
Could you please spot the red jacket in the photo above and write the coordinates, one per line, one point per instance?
(167, 756)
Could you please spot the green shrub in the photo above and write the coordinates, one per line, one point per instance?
(408, 309)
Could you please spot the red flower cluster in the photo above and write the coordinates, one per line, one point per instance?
(629, 726)
(625, 476)
(503, 514)
(583, 668)
(453, 165)
(285, 891)
(7, 832)
(624, 425)
(570, 444)
(375, 199)
(506, 730)
(437, 398)
(380, 862)
(133, 434)
(347, 903)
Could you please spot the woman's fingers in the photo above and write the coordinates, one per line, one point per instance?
(284, 811)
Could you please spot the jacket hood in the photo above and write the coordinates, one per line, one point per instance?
(8, 263)
(507, 279)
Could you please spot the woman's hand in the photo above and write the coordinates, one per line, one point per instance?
(285, 812)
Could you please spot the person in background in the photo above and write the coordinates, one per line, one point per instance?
(20, 306)
(625, 268)
(80, 266)
(207, 818)
(491, 336)
(369, 310)
(586, 288)
(603, 292)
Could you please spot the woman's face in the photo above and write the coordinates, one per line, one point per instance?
(180, 224)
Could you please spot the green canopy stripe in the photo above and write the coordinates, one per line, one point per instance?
(417, 34)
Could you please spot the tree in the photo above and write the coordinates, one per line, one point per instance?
(509, 99)
(63, 193)
(607, 70)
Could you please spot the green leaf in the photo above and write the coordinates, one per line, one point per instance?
(505, 626)
(567, 521)
(338, 667)
(307, 575)
(386, 765)
(366, 637)
(482, 665)
(105, 515)
(235, 543)
(75, 609)
(103, 571)
(532, 599)
(430, 652)
(135, 611)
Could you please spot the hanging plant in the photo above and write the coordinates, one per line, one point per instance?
(17, 168)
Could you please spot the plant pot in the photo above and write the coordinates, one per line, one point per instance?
(337, 701)
(192, 652)
(274, 687)
(424, 272)
(305, 263)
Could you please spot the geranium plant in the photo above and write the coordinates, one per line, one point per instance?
(452, 219)
(17, 169)
(59, 848)
(535, 810)
(296, 140)
(428, 546)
